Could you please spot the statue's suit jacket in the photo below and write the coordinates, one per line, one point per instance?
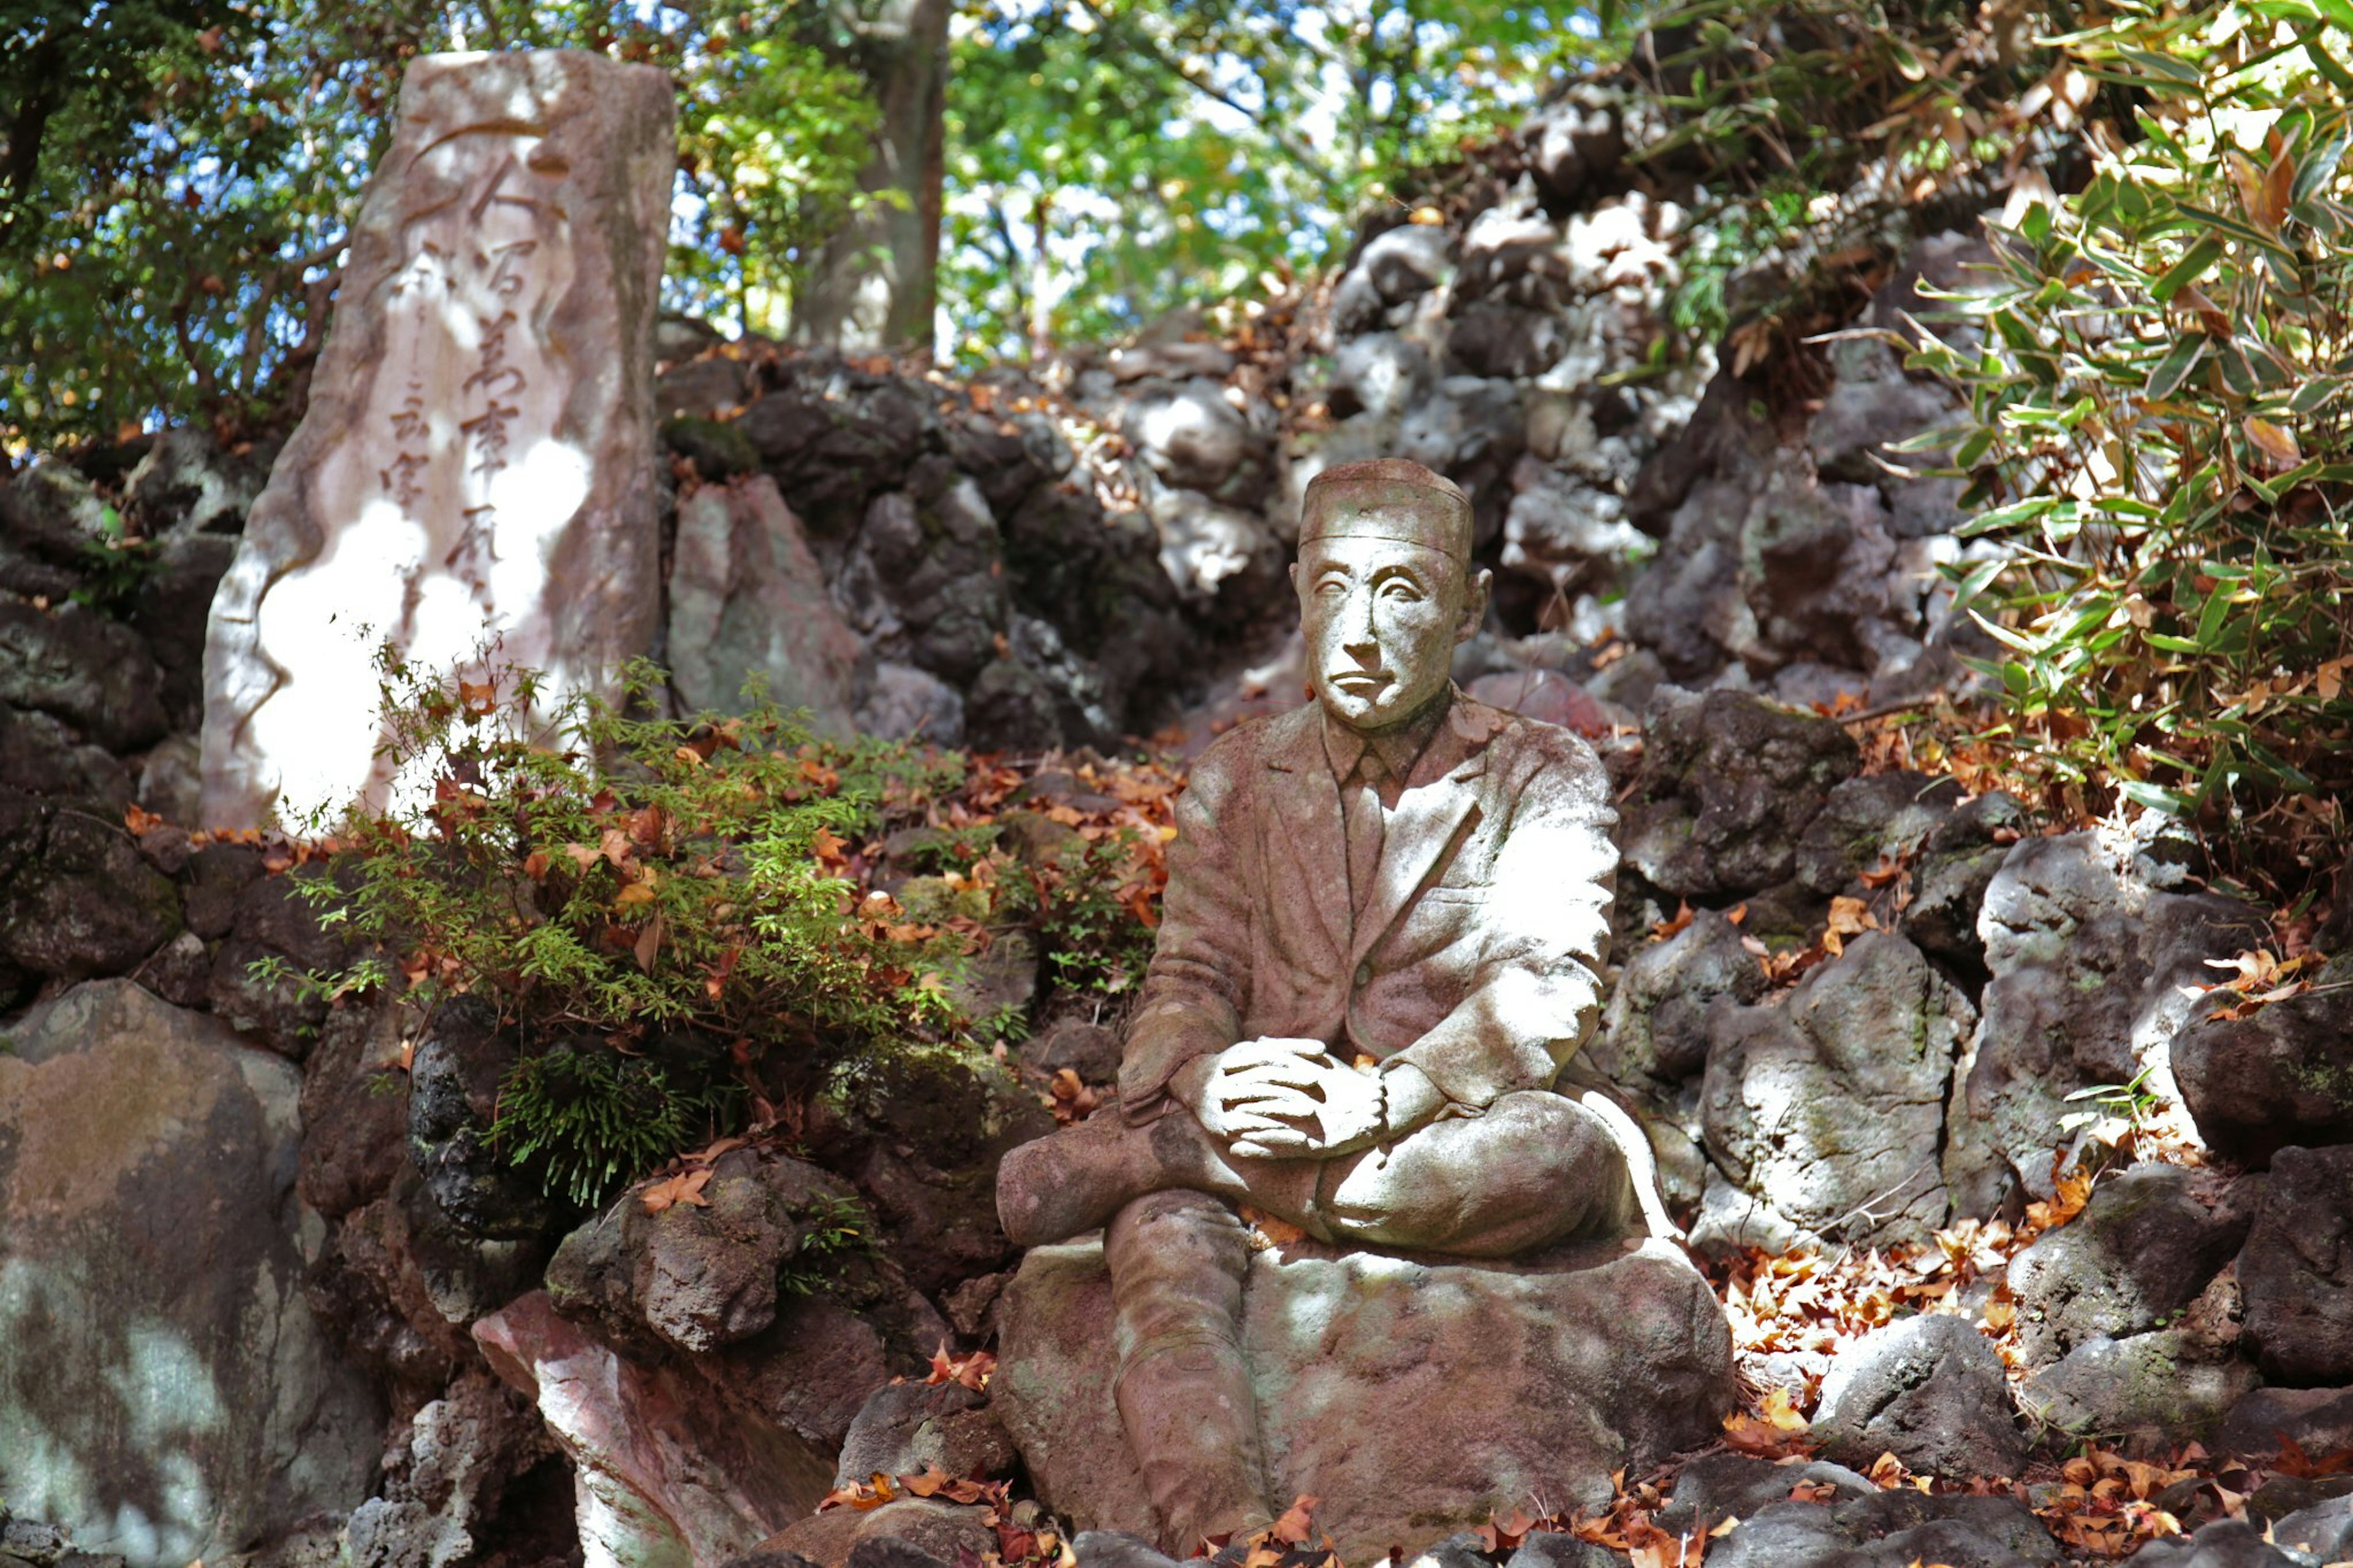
(1477, 956)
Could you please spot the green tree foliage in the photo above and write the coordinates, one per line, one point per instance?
(1819, 132)
(180, 176)
(2158, 414)
(1109, 159)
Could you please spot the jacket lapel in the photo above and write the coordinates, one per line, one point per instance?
(1432, 817)
(1309, 856)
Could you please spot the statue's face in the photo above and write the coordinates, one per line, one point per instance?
(1382, 618)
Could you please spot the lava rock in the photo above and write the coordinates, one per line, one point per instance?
(1956, 865)
(2147, 1243)
(2150, 1390)
(1712, 1488)
(212, 886)
(1929, 1390)
(2298, 1269)
(2317, 1420)
(921, 1139)
(188, 483)
(2225, 1543)
(2283, 1075)
(41, 756)
(453, 1094)
(276, 923)
(719, 451)
(1089, 1051)
(77, 898)
(1655, 1027)
(1870, 821)
(1551, 1549)
(1823, 1113)
(354, 1111)
(1727, 788)
(2089, 964)
(920, 1527)
(94, 673)
(169, 611)
(834, 435)
(909, 1428)
(1117, 1549)
(702, 1276)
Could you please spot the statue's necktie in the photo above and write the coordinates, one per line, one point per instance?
(1362, 807)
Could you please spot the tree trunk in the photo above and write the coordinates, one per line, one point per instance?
(872, 284)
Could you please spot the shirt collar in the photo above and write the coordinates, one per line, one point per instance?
(1398, 748)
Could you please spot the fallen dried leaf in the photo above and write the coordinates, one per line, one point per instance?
(686, 1187)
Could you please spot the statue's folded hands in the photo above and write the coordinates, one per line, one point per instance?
(1298, 1101)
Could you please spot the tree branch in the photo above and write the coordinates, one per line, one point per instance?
(1297, 151)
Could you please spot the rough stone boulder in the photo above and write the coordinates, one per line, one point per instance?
(1853, 1525)
(166, 1391)
(1823, 1114)
(2089, 958)
(2317, 1420)
(77, 898)
(2281, 1075)
(667, 1476)
(1727, 788)
(1654, 1033)
(95, 674)
(1412, 1397)
(748, 599)
(1928, 1390)
(703, 1275)
(776, 1319)
(2144, 1247)
(2298, 1269)
(2146, 1392)
(908, 1427)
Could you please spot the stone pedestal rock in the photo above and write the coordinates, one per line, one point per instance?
(1411, 1396)
(476, 460)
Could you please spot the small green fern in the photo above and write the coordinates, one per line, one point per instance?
(590, 1121)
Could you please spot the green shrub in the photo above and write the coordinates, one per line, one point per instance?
(2157, 418)
(617, 886)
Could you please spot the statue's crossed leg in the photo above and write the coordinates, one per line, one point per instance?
(1536, 1167)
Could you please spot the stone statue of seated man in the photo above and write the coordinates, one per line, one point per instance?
(1385, 924)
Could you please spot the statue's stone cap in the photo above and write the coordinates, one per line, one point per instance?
(1388, 498)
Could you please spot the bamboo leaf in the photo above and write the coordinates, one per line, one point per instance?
(2193, 265)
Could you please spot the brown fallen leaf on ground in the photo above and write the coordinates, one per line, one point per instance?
(972, 1371)
(686, 1187)
(872, 1493)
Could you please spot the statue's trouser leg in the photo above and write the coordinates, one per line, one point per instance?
(1051, 1189)
(1535, 1168)
(1177, 1261)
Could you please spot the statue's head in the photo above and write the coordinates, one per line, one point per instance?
(1386, 588)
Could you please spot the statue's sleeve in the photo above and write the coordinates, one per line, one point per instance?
(1537, 990)
(1198, 988)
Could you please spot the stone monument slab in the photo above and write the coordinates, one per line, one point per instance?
(477, 462)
